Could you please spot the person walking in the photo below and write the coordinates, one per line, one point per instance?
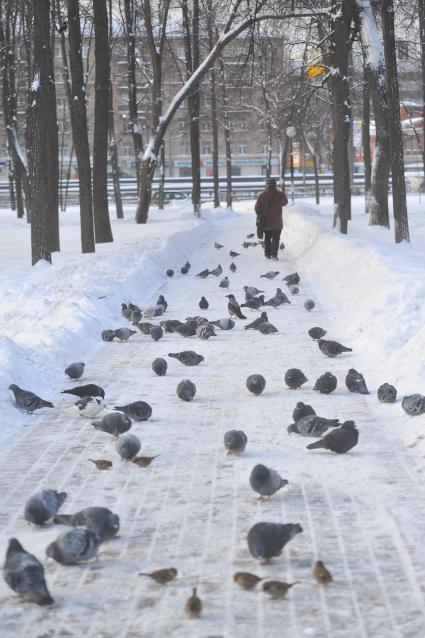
(268, 209)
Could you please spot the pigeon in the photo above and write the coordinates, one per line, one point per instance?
(224, 283)
(203, 274)
(266, 328)
(188, 329)
(224, 324)
(246, 580)
(281, 245)
(216, 271)
(138, 410)
(232, 267)
(271, 274)
(124, 334)
(205, 331)
(75, 371)
(293, 279)
(170, 325)
(217, 245)
(294, 290)
(186, 390)
(203, 304)
(234, 308)
(235, 442)
(326, 383)
(74, 546)
(254, 325)
(250, 236)
(414, 404)
(114, 423)
(187, 357)
(156, 333)
(88, 407)
(279, 299)
(63, 27)
(126, 311)
(234, 254)
(316, 333)
(161, 576)
(161, 301)
(28, 401)
(312, 425)
(185, 269)
(255, 303)
(387, 393)
(193, 606)
(159, 310)
(248, 244)
(355, 382)
(294, 378)
(265, 481)
(145, 327)
(108, 335)
(169, 272)
(300, 410)
(251, 291)
(321, 573)
(24, 573)
(128, 446)
(136, 316)
(256, 383)
(309, 304)
(90, 390)
(99, 520)
(159, 366)
(332, 348)
(340, 440)
(43, 505)
(150, 311)
(266, 540)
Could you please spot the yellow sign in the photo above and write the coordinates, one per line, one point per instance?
(313, 71)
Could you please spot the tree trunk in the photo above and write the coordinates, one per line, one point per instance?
(367, 160)
(421, 5)
(78, 110)
(161, 190)
(227, 140)
(102, 224)
(53, 152)
(111, 126)
(401, 222)
(133, 116)
(40, 217)
(11, 178)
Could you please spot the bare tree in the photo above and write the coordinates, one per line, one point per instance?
(111, 126)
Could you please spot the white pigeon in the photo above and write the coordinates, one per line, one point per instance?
(88, 407)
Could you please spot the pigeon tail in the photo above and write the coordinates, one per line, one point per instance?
(344, 349)
(316, 445)
(46, 404)
(63, 519)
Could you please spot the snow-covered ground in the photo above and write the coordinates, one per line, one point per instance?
(363, 513)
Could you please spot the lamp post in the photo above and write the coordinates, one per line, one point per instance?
(291, 133)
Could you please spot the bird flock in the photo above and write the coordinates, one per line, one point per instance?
(85, 531)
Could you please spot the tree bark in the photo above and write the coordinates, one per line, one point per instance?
(401, 222)
(52, 150)
(78, 110)
(421, 5)
(227, 137)
(367, 159)
(133, 116)
(161, 185)
(102, 224)
(111, 127)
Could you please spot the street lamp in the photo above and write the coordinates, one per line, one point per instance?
(291, 133)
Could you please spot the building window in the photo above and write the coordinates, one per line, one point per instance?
(264, 149)
(181, 125)
(185, 171)
(243, 149)
(236, 170)
(128, 150)
(239, 125)
(402, 49)
(206, 126)
(184, 149)
(205, 148)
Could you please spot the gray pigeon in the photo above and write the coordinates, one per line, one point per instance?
(265, 481)
(126, 311)
(326, 383)
(224, 324)
(74, 546)
(205, 331)
(234, 254)
(302, 409)
(294, 378)
(156, 333)
(340, 440)
(312, 425)
(124, 334)
(234, 308)
(25, 574)
(186, 390)
(159, 366)
(293, 279)
(203, 304)
(108, 335)
(256, 383)
(99, 520)
(216, 271)
(188, 329)
(271, 274)
(254, 303)
(43, 505)
(114, 423)
(169, 272)
(136, 316)
(203, 274)
(332, 348)
(254, 325)
(128, 446)
(309, 304)
(355, 382)
(187, 357)
(89, 390)
(387, 393)
(170, 325)
(217, 245)
(75, 371)
(266, 540)
(232, 267)
(251, 291)
(28, 401)
(185, 269)
(235, 442)
(145, 327)
(266, 328)
(161, 301)
(316, 333)
(224, 283)
(138, 410)
(414, 404)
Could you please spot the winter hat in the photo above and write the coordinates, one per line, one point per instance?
(271, 182)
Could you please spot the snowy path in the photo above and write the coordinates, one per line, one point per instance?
(363, 513)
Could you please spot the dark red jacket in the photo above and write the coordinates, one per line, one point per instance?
(268, 208)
